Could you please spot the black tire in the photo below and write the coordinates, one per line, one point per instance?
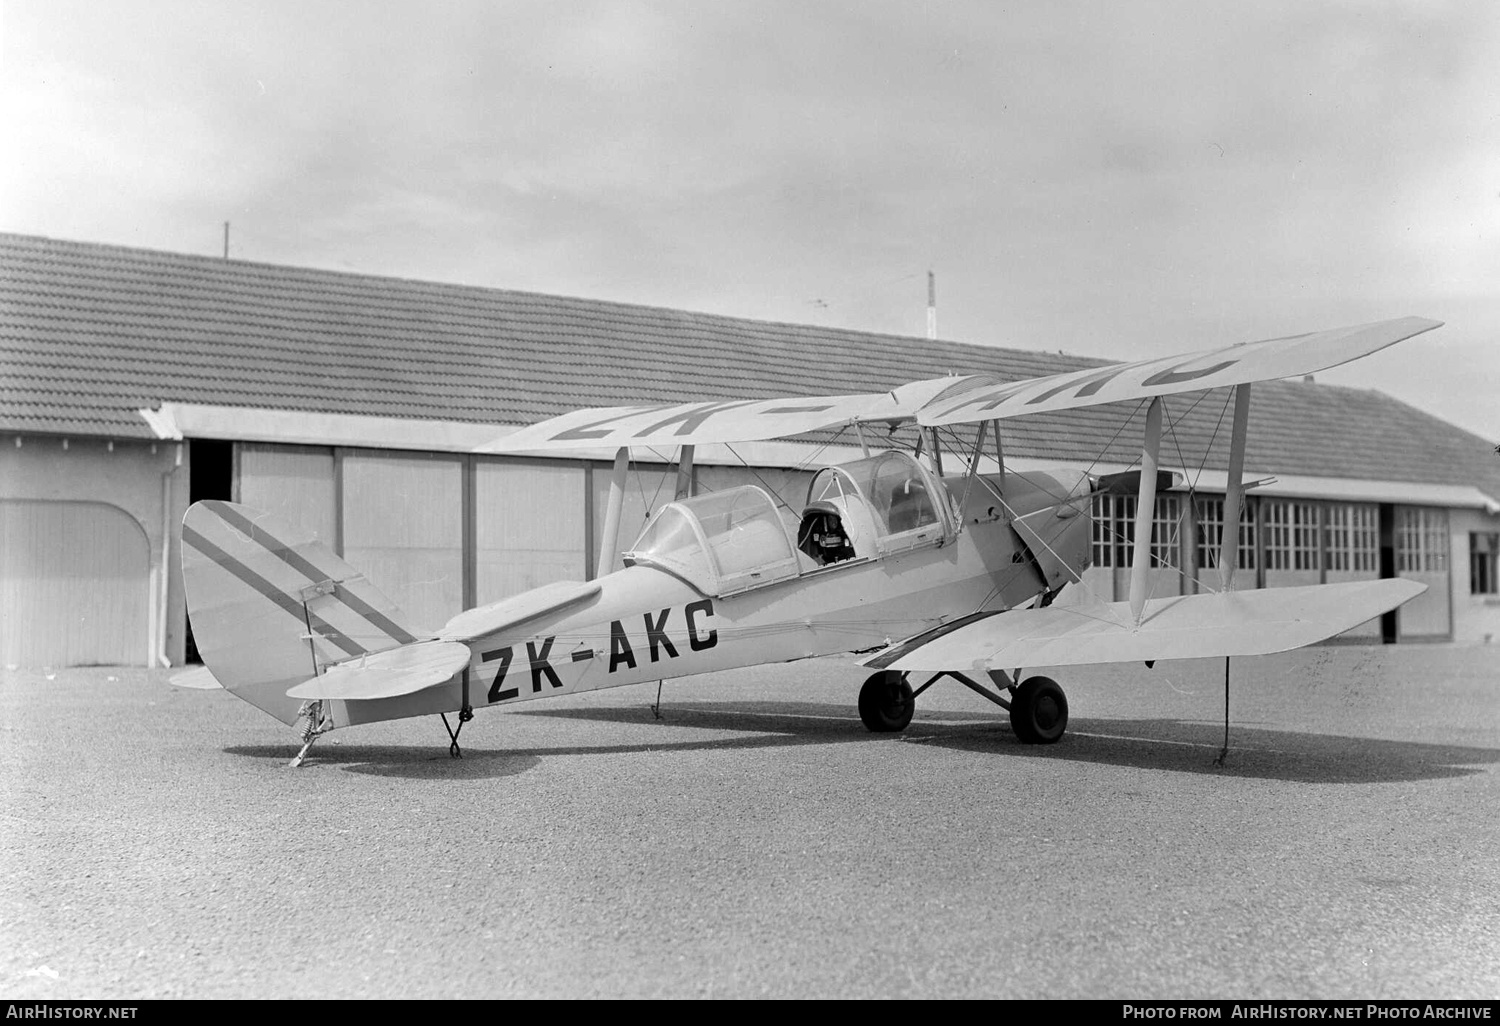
(886, 703)
(1039, 711)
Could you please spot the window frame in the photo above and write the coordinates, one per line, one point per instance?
(1209, 517)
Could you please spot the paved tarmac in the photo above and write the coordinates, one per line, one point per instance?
(757, 841)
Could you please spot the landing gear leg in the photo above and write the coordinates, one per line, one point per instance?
(886, 703)
(464, 716)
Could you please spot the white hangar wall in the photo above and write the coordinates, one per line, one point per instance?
(90, 568)
(440, 532)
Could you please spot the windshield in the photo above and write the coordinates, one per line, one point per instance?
(882, 503)
(894, 485)
(672, 541)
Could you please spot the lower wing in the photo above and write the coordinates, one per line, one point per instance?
(1180, 627)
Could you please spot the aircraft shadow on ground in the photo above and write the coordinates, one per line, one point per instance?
(416, 762)
(1173, 745)
(1184, 746)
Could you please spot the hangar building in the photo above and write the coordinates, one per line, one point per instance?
(133, 382)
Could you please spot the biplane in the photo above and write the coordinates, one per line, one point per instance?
(945, 575)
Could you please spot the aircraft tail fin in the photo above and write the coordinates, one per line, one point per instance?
(271, 606)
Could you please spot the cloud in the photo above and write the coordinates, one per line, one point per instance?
(1109, 179)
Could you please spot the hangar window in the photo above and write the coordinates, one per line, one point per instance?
(1353, 537)
(1166, 521)
(721, 543)
(1103, 515)
(1114, 530)
(1211, 533)
(1421, 539)
(1484, 547)
(1291, 530)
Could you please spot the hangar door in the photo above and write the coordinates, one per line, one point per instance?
(74, 585)
(1422, 544)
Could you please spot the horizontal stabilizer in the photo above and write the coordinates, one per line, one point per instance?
(396, 671)
(200, 678)
(483, 620)
(1180, 627)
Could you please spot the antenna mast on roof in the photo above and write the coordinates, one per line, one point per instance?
(931, 305)
(226, 240)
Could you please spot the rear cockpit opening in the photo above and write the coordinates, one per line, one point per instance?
(822, 536)
(878, 505)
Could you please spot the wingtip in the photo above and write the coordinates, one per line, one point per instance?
(1417, 325)
(1396, 329)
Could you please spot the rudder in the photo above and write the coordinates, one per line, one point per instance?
(270, 606)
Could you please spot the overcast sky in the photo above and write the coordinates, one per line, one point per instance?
(1118, 180)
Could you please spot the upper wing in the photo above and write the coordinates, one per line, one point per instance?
(1182, 627)
(967, 401)
(704, 423)
(955, 400)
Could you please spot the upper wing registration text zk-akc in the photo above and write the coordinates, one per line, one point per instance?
(957, 576)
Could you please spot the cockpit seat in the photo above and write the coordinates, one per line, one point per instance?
(822, 536)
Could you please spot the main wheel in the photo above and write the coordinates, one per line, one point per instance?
(886, 703)
(1039, 711)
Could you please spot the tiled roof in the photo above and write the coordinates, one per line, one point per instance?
(90, 333)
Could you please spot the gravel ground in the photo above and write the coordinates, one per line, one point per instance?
(757, 841)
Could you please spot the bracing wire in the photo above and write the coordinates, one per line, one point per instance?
(1193, 482)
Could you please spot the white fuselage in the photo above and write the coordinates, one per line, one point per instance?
(646, 623)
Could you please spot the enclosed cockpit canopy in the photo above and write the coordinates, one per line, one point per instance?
(721, 543)
(886, 503)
